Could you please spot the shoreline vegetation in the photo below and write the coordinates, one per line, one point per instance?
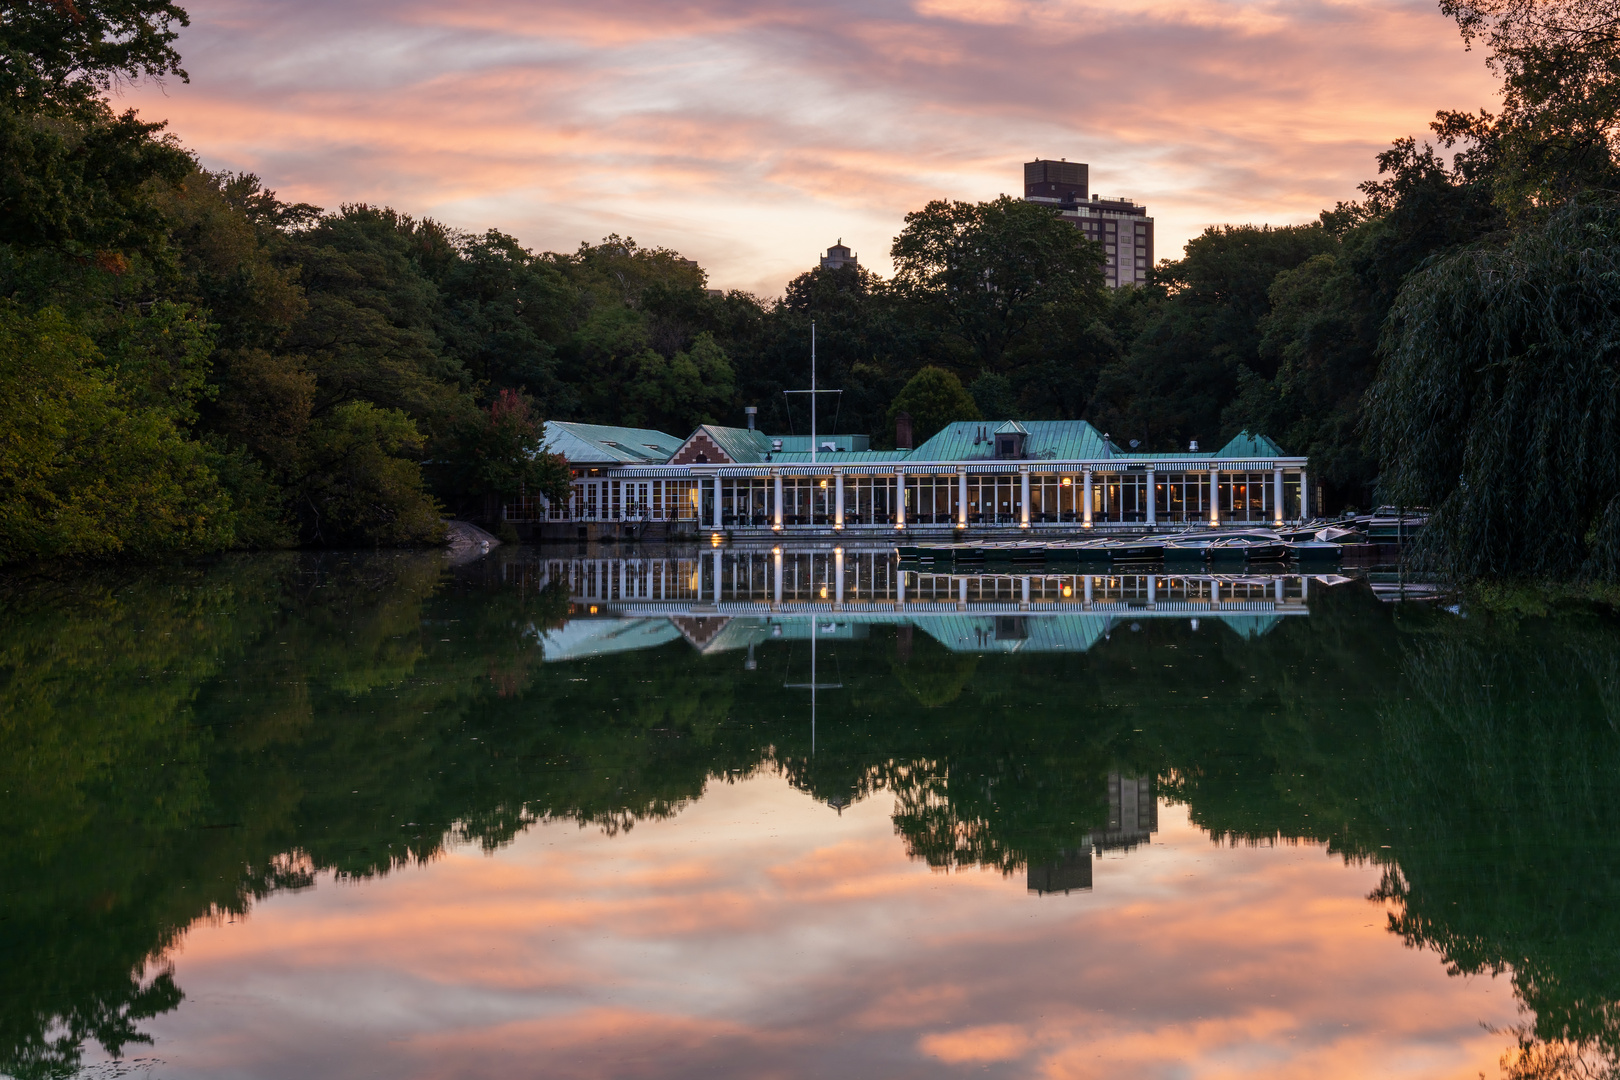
(189, 364)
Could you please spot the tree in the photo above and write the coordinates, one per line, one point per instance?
(63, 52)
(988, 272)
(934, 397)
(502, 454)
(1499, 402)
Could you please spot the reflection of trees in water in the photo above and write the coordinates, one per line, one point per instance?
(168, 763)
(1499, 763)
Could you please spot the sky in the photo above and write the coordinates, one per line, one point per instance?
(752, 135)
(757, 933)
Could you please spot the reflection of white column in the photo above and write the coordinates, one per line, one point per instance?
(838, 575)
(621, 579)
(961, 498)
(1279, 590)
(838, 502)
(961, 592)
(1214, 494)
(777, 555)
(1023, 498)
(899, 498)
(1215, 593)
(717, 500)
(1152, 497)
(1304, 589)
(777, 524)
(717, 572)
(1025, 600)
(1276, 495)
(1305, 509)
(1153, 590)
(1088, 590)
(900, 587)
(1087, 518)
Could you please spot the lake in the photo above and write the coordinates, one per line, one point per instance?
(572, 813)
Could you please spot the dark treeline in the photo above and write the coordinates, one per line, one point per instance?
(179, 745)
(188, 363)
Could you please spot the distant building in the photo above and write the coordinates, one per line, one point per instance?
(1121, 226)
(1133, 818)
(838, 256)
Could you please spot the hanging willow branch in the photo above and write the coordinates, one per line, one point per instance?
(1498, 403)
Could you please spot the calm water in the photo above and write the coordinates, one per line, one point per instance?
(290, 816)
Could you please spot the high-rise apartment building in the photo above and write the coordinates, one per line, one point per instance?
(1121, 226)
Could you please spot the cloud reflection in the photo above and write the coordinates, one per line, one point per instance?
(759, 934)
(750, 135)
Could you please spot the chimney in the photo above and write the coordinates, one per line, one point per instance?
(751, 412)
(902, 431)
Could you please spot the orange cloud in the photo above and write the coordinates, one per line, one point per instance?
(750, 135)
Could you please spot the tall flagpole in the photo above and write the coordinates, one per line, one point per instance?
(812, 396)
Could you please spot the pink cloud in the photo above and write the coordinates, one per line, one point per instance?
(750, 135)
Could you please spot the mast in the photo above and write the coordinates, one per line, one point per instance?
(812, 404)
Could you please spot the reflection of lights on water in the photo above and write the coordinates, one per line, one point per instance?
(593, 609)
(1068, 590)
(824, 592)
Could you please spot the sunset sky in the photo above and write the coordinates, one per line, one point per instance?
(751, 135)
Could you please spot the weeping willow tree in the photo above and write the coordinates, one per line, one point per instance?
(1498, 403)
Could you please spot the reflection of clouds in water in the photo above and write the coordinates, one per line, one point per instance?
(748, 135)
(758, 933)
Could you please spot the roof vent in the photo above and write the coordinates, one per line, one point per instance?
(1193, 447)
(752, 412)
(776, 446)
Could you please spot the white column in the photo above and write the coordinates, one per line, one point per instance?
(900, 588)
(1025, 601)
(717, 500)
(1153, 500)
(1276, 495)
(1023, 498)
(899, 498)
(1304, 497)
(1153, 590)
(1088, 590)
(717, 572)
(1086, 518)
(961, 498)
(1214, 494)
(838, 572)
(961, 592)
(777, 555)
(838, 503)
(777, 524)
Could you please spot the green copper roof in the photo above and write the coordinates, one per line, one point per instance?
(1245, 445)
(602, 443)
(975, 440)
(747, 447)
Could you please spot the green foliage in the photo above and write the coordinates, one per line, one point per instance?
(59, 52)
(85, 469)
(988, 273)
(1499, 402)
(934, 397)
(359, 486)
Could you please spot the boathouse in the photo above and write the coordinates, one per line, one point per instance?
(1006, 477)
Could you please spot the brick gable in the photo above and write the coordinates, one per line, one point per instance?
(701, 450)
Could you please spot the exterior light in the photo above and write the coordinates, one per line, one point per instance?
(593, 609)
(1068, 590)
(1068, 481)
(838, 551)
(824, 483)
(714, 539)
(824, 592)
(776, 551)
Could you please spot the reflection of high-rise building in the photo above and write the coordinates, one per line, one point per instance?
(1121, 226)
(1072, 872)
(1133, 818)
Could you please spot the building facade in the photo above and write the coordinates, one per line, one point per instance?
(985, 477)
(1123, 228)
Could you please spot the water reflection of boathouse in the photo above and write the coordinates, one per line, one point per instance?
(729, 599)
